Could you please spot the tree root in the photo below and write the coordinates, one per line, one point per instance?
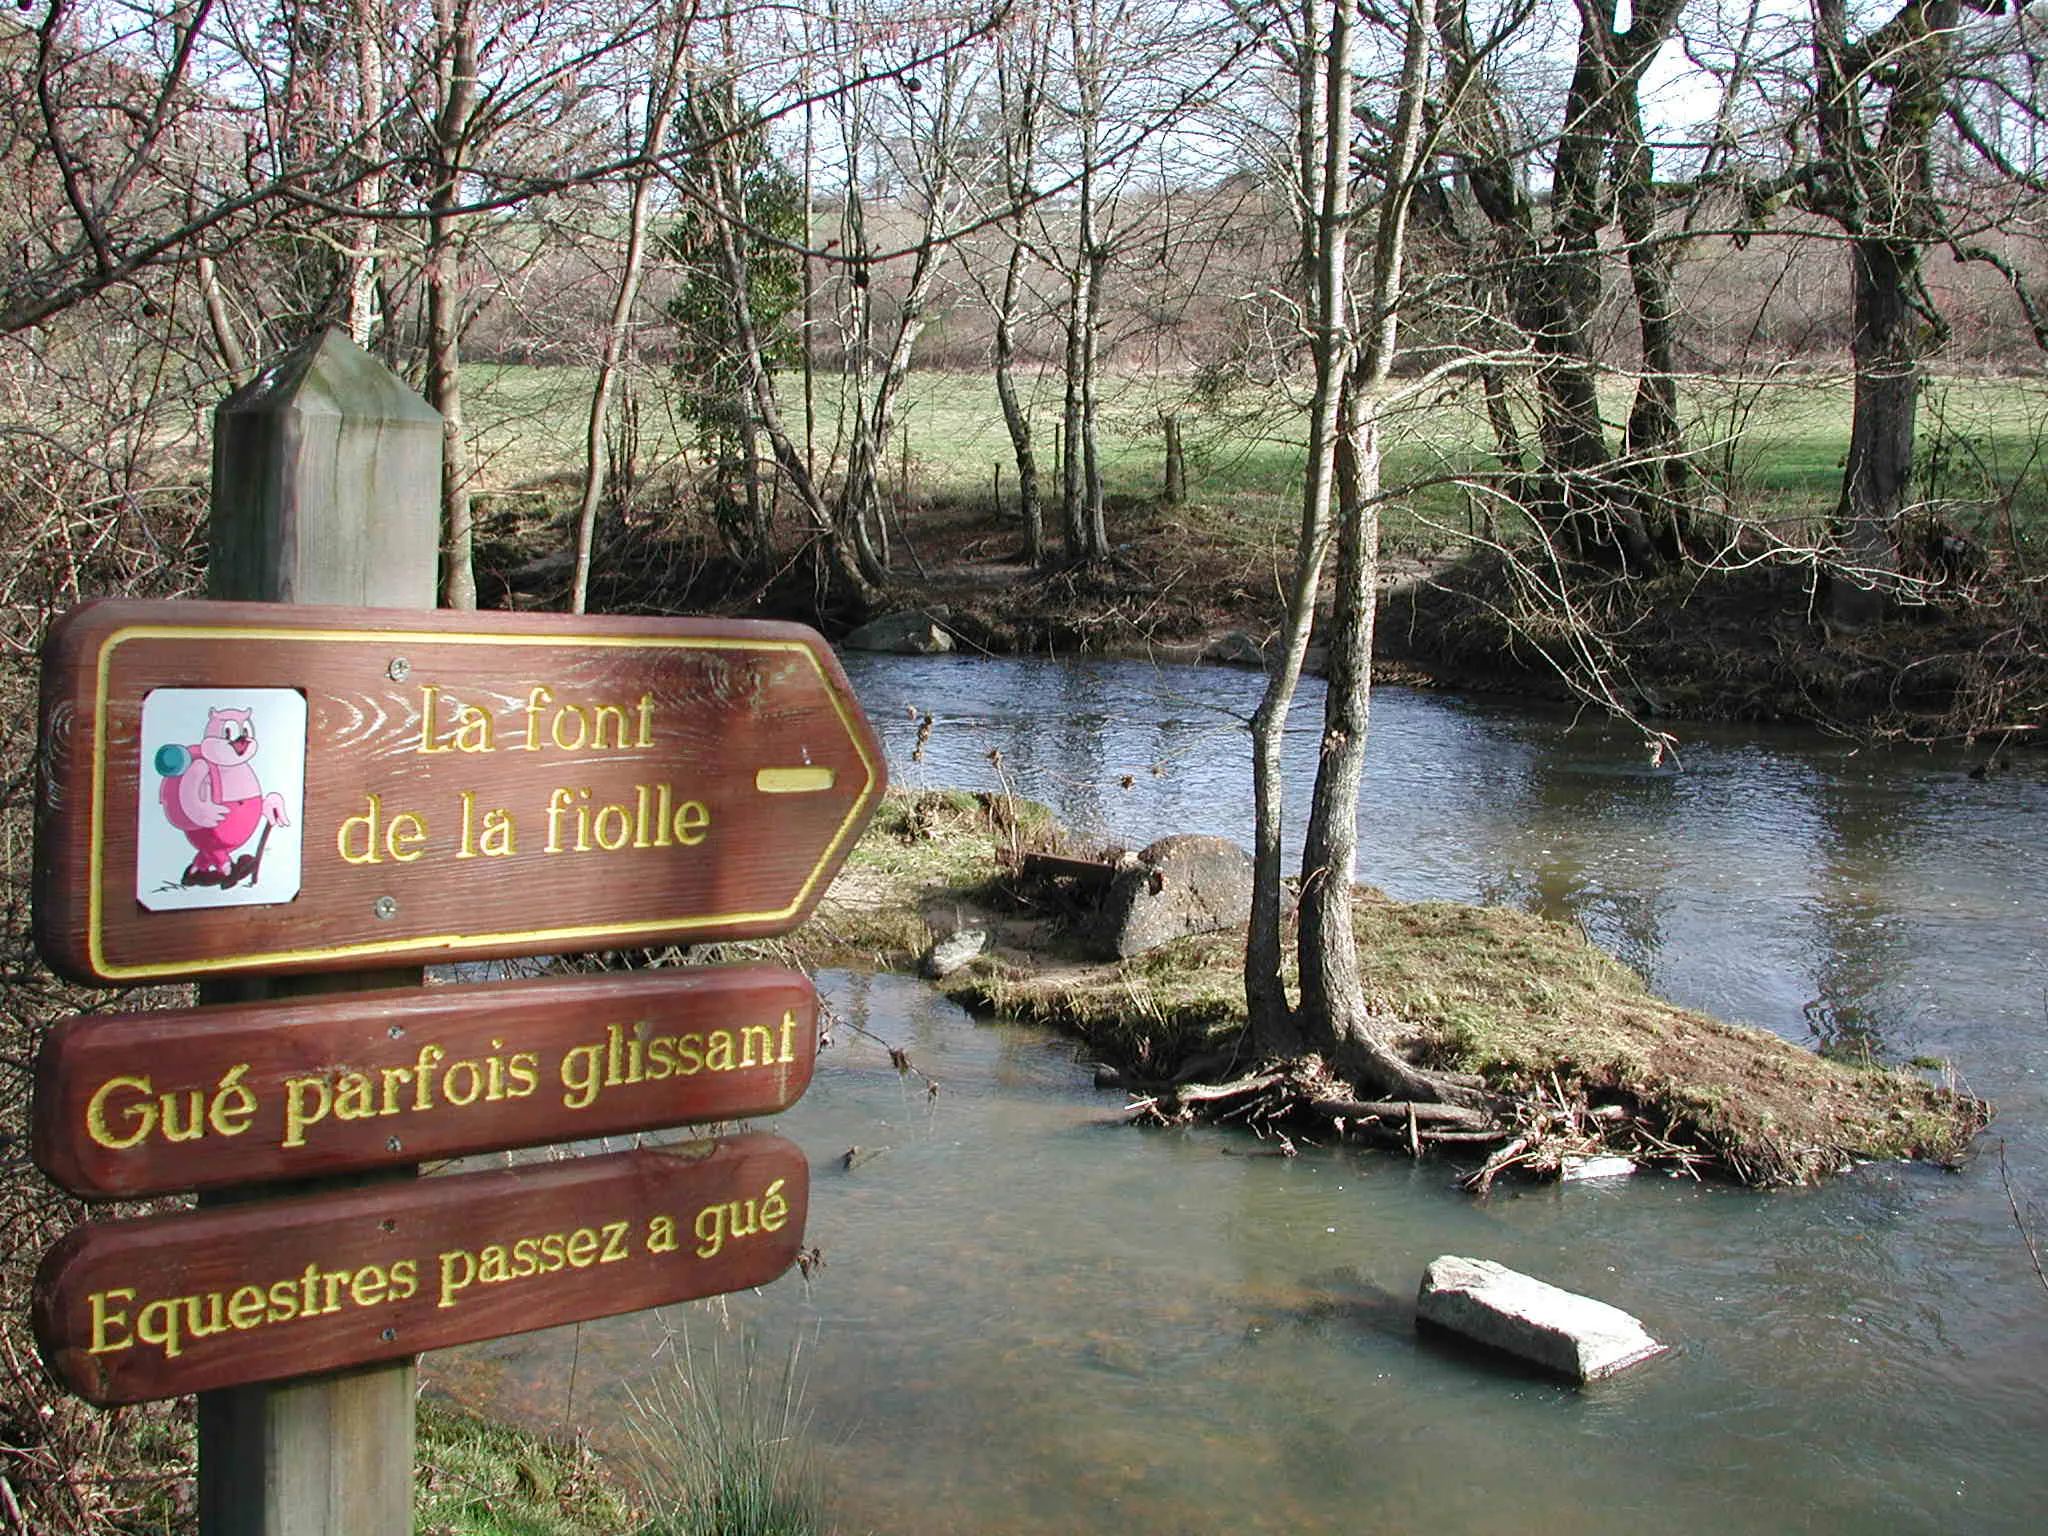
(1536, 1134)
(1301, 1091)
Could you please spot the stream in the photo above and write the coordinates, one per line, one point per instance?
(1031, 1318)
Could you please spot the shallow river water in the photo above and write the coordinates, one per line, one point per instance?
(1032, 1319)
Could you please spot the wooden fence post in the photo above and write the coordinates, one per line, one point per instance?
(326, 489)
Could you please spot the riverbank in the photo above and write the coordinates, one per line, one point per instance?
(1725, 638)
(1589, 1062)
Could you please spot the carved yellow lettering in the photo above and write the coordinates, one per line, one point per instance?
(141, 1117)
(774, 1207)
(355, 1096)
(692, 823)
(394, 1078)
(423, 1076)
(661, 1234)
(646, 711)
(718, 1055)
(558, 801)
(367, 825)
(709, 1242)
(408, 831)
(233, 1106)
(617, 716)
(157, 1323)
(368, 1286)
(306, 1102)
(455, 1263)
(248, 1307)
(494, 1265)
(461, 1083)
(750, 1036)
(523, 1069)
(473, 731)
(333, 1281)
(501, 838)
(194, 1126)
(614, 1243)
(570, 712)
(284, 1302)
(582, 1247)
(205, 1315)
(405, 1280)
(102, 1320)
(580, 1076)
(622, 828)
(534, 701)
(430, 698)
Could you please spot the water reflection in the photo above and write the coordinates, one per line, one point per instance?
(1035, 1320)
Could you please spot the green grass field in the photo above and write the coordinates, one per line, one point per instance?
(1774, 447)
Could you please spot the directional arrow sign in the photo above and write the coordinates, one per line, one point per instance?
(242, 1093)
(126, 1311)
(237, 787)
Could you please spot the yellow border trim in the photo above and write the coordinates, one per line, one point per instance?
(449, 945)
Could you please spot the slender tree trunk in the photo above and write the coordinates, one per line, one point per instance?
(1015, 419)
(370, 24)
(1898, 75)
(1093, 509)
(455, 28)
(661, 97)
(1877, 479)
(1274, 1027)
(1073, 506)
(234, 357)
(1333, 1009)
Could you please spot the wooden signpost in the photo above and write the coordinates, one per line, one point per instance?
(139, 1104)
(431, 786)
(127, 1311)
(301, 806)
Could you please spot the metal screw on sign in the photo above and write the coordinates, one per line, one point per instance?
(386, 906)
(398, 669)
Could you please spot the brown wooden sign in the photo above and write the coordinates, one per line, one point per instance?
(149, 1103)
(127, 1311)
(240, 787)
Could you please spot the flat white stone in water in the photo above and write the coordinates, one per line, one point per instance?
(1559, 1330)
(1578, 1169)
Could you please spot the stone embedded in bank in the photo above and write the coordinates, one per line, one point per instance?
(915, 632)
(1181, 885)
(949, 954)
(1557, 1329)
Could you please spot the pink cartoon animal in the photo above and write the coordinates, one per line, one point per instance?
(211, 794)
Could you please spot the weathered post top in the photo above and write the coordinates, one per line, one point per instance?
(326, 483)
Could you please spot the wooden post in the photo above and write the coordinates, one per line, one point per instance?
(326, 489)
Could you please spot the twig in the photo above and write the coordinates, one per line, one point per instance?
(2017, 1219)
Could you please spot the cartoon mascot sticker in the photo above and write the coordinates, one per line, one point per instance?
(220, 827)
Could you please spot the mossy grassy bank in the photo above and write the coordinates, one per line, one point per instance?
(1587, 1058)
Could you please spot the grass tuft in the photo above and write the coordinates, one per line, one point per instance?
(722, 1450)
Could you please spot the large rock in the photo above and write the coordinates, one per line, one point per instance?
(1178, 886)
(951, 953)
(915, 633)
(1559, 1330)
(1236, 649)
